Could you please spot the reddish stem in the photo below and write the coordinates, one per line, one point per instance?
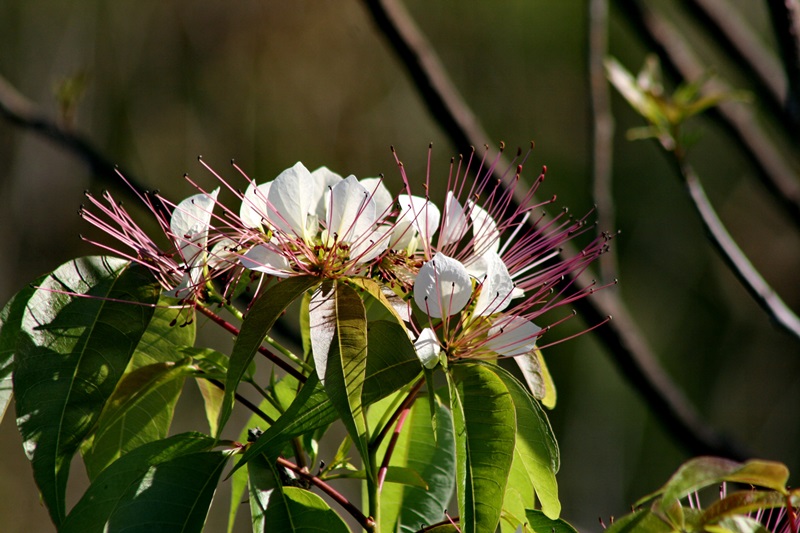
(390, 448)
(262, 349)
(366, 522)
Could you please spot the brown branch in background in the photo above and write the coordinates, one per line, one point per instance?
(777, 175)
(747, 51)
(20, 111)
(626, 345)
(603, 134)
(783, 14)
(755, 284)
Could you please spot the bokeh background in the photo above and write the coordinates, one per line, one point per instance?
(269, 83)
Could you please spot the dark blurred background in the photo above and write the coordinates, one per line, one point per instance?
(269, 83)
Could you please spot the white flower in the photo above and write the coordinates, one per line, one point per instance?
(292, 202)
(189, 228)
(427, 348)
(442, 287)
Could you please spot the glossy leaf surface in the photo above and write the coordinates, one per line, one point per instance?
(70, 354)
(485, 428)
(162, 486)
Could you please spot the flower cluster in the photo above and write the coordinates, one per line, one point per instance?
(470, 279)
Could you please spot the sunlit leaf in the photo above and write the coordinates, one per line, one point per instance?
(10, 324)
(741, 503)
(70, 354)
(138, 412)
(392, 362)
(302, 511)
(640, 521)
(535, 442)
(538, 522)
(711, 471)
(142, 406)
(347, 365)
(485, 429)
(166, 485)
(407, 507)
(262, 315)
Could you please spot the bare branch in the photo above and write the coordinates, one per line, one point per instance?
(20, 111)
(625, 344)
(737, 38)
(783, 14)
(603, 134)
(777, 175)
(755, 284)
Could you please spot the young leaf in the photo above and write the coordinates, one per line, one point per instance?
(257, 323)
(70, 354)
(139, 411)
(535, 443)
(166, 485)
(485, 429)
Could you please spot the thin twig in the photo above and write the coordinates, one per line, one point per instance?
(409, 399)
(783, 14)
(626, 345)
(366, 522)
(603, 134)
(678, 60)
(755, 284)
(20, 111)
(261, 349)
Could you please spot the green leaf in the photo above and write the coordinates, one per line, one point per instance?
(142, 406)
(485, 429)
(640, 521)
(538, 522)
(535, 442)
(10, 324)
(162, 486)
(392, 362)
(740, 503)
(139, 411)
(262, 315)
(262, 482)
(214, 365)
(738, 524)
(710, 471)
(301, 511)
(390, 304)
(519, 495)
(406, 508)
(347, 364)
(71, 352)
(387, 370)
(311, 409)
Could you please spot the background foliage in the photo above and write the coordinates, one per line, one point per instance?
(269, 83)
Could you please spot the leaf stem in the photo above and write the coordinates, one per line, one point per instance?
(261, 349)
(412, 395)
(390, 447)
(366, 522)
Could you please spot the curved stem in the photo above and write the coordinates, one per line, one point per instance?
(366, 522)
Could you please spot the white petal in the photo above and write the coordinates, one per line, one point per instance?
(222, 253)
(254, 205)
(322, 316)
(512, 336)
(422, 213)
(189, 224)
(442, 287)
(263, 258)
(293, 197)
(352, 211)
(324, 179)
(427, 348)
(454, 226)
(496, 285)
(380, 195)
(484, 230)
